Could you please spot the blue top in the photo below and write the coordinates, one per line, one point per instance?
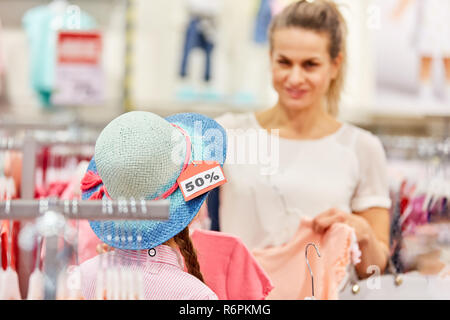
(41, 25)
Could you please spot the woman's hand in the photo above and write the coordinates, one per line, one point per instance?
(326, 219)
(372, 233)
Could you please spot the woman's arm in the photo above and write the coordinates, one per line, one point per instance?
(372, 233)
(374, 247)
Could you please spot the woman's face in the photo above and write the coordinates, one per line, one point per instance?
(301, 67)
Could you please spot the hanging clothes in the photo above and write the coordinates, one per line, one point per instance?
(262, 22)
(229, 268)
(286, 264)
(432, 34)
(196, 37)
(41, 25)
(12, 167)
(201, 32)
(267, 10)
(9, 281)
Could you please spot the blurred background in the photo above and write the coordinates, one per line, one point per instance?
(67, 68)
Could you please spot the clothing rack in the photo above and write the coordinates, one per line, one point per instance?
(50, 210)
(29, 145)
(122, 209)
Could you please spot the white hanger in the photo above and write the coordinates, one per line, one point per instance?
(36, 282)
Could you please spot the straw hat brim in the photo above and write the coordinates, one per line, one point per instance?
(126, 234)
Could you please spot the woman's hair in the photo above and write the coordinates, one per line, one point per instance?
(184, 242)
(322, 16)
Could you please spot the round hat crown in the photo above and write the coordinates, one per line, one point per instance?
(134, 155)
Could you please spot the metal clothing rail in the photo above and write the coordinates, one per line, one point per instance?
(10, 144)
(29, 145)
(89, 210)
(48, 213)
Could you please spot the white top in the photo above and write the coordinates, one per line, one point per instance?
(433, 28)
(268, 192)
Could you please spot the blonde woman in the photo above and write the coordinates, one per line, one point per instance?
(327, 170)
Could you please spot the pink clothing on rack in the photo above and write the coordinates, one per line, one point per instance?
(13, 168)
(164, 278)
(73, 190)
(228, 267)
(286, 264)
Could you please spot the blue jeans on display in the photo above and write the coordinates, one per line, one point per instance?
(262, 23)
(195, 38)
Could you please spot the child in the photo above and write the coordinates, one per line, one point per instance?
(141, 155)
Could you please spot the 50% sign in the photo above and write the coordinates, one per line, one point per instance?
(200, 178)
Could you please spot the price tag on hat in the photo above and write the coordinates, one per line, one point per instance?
(199, 178)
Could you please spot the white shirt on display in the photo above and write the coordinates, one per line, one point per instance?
(346, 170)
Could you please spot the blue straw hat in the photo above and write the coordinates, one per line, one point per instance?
(141, 155)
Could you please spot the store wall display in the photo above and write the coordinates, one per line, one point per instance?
(79, 78)
(1, 62)
(262, 22)
(42, 24)
(201, 32)
(239, 73)
(3, 80)
(413, 54)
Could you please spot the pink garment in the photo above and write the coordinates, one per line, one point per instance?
(12, 167)
(228, 268)
(164, 278)
(286, 264)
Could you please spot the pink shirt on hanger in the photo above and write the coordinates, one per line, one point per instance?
(229, 268)
(286, 264)
(164, 278)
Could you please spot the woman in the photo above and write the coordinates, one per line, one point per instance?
(327, 170)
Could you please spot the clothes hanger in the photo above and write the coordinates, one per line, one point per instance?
(36, 282)
(309, 267)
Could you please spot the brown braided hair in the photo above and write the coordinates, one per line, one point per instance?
(183, 241)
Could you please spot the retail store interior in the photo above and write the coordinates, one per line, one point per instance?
(69, 68)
